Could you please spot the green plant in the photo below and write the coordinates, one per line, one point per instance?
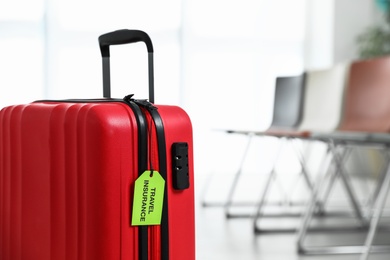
(375, 40)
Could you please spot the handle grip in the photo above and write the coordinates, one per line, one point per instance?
(124, 37)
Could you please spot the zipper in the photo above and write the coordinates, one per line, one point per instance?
(153, 165)
(140, 102)
(154, 231)
(143, 236)
(158, 235)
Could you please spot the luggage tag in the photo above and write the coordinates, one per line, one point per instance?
(148, 199)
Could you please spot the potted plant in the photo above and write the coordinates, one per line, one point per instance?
(375, 40)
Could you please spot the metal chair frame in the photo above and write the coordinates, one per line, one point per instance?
(367, 80)
(368, 222)
(282, 93)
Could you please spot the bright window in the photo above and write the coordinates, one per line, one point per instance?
(217, 59)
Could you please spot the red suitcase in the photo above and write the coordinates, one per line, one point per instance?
(68, 171)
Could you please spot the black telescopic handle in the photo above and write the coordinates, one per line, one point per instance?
(124, 37)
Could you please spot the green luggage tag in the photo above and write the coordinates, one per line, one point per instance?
(148, 199)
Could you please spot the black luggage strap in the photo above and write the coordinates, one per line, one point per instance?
(142, 166)
(162, 169)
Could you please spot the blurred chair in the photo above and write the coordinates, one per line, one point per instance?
(322, 106)
(324, 98)
(287, 115)
(288, 103)
(364, 122)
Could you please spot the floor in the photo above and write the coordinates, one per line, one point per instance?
(219, 238)
(232, 239)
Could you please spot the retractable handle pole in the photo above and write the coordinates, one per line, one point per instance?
(124, 37)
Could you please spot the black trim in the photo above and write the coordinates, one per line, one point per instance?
(143, 239)
(163, 171)
(106, 77)
(94, 100)
(180, 171)
(123, 36)
(162, 155)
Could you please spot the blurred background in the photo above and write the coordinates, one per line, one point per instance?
(218, 59)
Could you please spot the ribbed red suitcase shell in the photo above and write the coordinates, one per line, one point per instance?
(66, 177)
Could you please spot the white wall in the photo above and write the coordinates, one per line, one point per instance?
(332, 27)
(351, 19)
(231, 58)
(319, 34)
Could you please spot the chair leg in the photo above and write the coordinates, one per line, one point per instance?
(261, 202)
(376, 192)
(321, 191)
(371, 226)
(379, 205)
(282, 142)
(237, 175)
(303, 163)
(310, 209)
(334, 175)
(273, 176)
(305, 173)
(347, 183)
(260, 207)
